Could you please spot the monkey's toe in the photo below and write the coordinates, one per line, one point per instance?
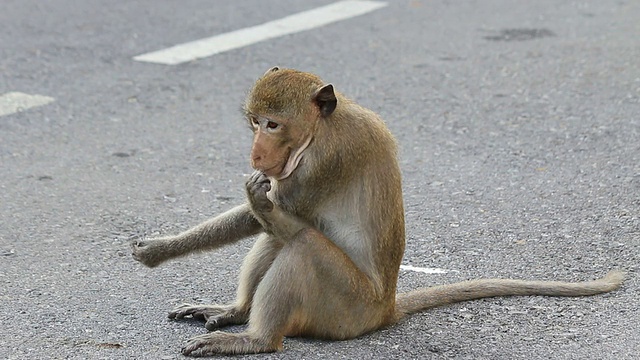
(184, 310)
(198, 312)
(231, 317)
(221, 343)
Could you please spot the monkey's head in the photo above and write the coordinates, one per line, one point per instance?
(284, 108)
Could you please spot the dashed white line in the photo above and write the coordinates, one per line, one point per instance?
(302, 21)
(424, 270)
(13, 102)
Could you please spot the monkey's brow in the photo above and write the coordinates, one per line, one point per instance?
(266, 118)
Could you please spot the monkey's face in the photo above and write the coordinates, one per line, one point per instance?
(277, 145)
(284, 109)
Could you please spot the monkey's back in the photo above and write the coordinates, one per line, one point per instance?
(365, 215)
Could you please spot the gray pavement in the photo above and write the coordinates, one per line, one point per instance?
(519, 129)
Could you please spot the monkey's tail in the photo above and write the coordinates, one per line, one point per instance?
(426, 298)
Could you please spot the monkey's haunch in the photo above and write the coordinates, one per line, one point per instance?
(426, 298)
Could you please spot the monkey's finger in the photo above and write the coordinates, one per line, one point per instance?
(253, 181)
(265, 186)
(136, 244)
(258, 176)
(255, 176)
(260, 188)
(250, 180)
(263, 178)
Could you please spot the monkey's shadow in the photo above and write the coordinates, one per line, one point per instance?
(290, 343)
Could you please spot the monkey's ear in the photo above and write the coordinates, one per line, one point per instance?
(326, 100)
(275, 68)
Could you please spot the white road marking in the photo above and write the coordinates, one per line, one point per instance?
(424, 270)
(13, 102)
(302, 21)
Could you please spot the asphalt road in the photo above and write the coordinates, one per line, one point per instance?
(519, 129)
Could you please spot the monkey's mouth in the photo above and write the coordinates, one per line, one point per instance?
(273, 171)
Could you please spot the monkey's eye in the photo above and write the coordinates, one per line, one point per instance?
(272, 125)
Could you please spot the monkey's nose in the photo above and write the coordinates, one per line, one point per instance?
(255, 159)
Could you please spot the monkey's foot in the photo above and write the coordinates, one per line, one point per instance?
(226, 344)
(216, 316)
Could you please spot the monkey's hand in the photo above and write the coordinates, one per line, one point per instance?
(272, 218)
(150, 252)
(258, 186)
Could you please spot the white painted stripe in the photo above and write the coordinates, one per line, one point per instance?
(424, 270)
(13, 102)
(302, 21)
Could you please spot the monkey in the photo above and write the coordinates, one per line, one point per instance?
(325, 202)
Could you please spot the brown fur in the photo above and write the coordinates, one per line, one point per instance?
(326, 264)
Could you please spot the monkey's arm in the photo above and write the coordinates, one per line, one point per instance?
(226, 228)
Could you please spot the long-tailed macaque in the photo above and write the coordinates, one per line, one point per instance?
(326, 202)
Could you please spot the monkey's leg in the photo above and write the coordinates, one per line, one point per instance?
(255, 265)
(226, 228)
(312, 289)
